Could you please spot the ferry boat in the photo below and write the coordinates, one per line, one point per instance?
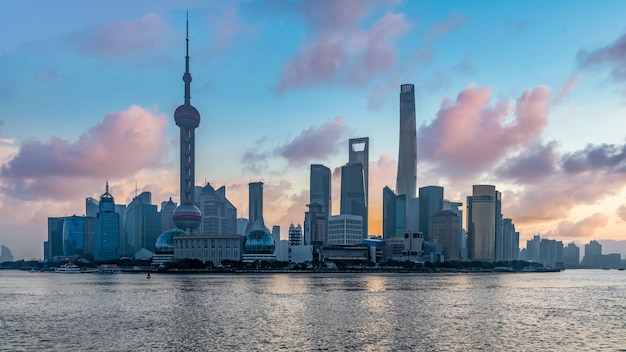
(69, 268)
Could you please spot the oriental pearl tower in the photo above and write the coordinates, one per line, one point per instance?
(187, 216)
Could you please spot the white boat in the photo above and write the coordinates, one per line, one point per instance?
(69, 268)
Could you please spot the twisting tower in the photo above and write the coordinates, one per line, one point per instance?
(187, 216)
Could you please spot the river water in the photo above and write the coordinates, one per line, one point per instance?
(574, 310)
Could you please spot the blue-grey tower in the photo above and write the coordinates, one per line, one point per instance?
(406, 181)
(187, 216)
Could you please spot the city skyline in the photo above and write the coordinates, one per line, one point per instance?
(285, 85)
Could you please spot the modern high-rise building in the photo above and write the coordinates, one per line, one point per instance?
(510, 237)
(353, 195)
(5, 254)
(55, 237)
(219, 215)
(431, 201)
(406, 181)
(455, 207)
(592, 250)
(74, 235)
(167, 215)
(345, 229)
(295, 235)
(187, 216)
(443, 227)
(315, 225)
(394, 213)
(142, 225)
(107, 229)
(571, 255)
(483, 218)
(255, 207)
(320, 187)
(355, 181)
(91, 207)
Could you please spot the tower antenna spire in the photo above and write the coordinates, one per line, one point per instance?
(187, 75)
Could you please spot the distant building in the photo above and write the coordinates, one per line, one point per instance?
(592, 249)
(142, 225)
(345, 229)
(483, 222)
(167, 215)
(55, 237)
(213, 249)
(394, 213)
(510, 245)
(533, 249)
(431, 201)
(315, 225)
(5, 254)
(444, 229)
(320, 187)
(551, 253)
(219, 215)
(107, 229)
(295, 235)
(571, 256)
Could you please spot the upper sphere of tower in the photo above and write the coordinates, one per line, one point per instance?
(187, 116)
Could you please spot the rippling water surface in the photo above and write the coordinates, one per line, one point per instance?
(575, 310)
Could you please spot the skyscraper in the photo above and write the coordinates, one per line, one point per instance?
(142, 225)
(320, 187)
(219, 215)
(430, 202)
(353, 199)
(187, 216)
(354, 181)
(444, 228)
(406, 181)
(394, 213)
(167, 215)
(483, 217)
(255, 207)
(107, 228)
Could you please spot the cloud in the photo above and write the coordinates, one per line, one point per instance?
(621, 212)
(315, 143)
(123, 39)
(534, 164)
(584, 228)
(566, 90)
(606, 157)
(338, 48)
(611, 56)
(455, 20)
(469, 136)
(226, 27)
(123, 143)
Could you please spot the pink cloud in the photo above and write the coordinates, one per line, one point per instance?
(123, 143)
(339, 48)
(455, 20)
(315, 143)
(123, 38)
(534, 164)
(566, 90)
(469, 136)
(584, 228)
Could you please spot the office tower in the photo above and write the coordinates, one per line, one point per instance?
(406, 181)
(320, 187)
(167, 215)
(532, 249)
(551, 253)
(258, 243)
(255, 207)
(483, 217)
(74, 235)
(276, 234)
(355, 181)
(394, 213)
(571, 255)
(142, 225)
(592, 250)
(353, 199)
(187, 216)
(455, 207)
(107, 229)
(55, 237)
(430, 202)
(295, 235)
(315, 225)
(91, 207)
(443, 227)
(219, 215)
(345, 229)
(510, 240)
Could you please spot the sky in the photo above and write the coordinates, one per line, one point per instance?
(526, 95)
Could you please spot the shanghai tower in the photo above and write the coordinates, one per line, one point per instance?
(187, 216)
(406, 181)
